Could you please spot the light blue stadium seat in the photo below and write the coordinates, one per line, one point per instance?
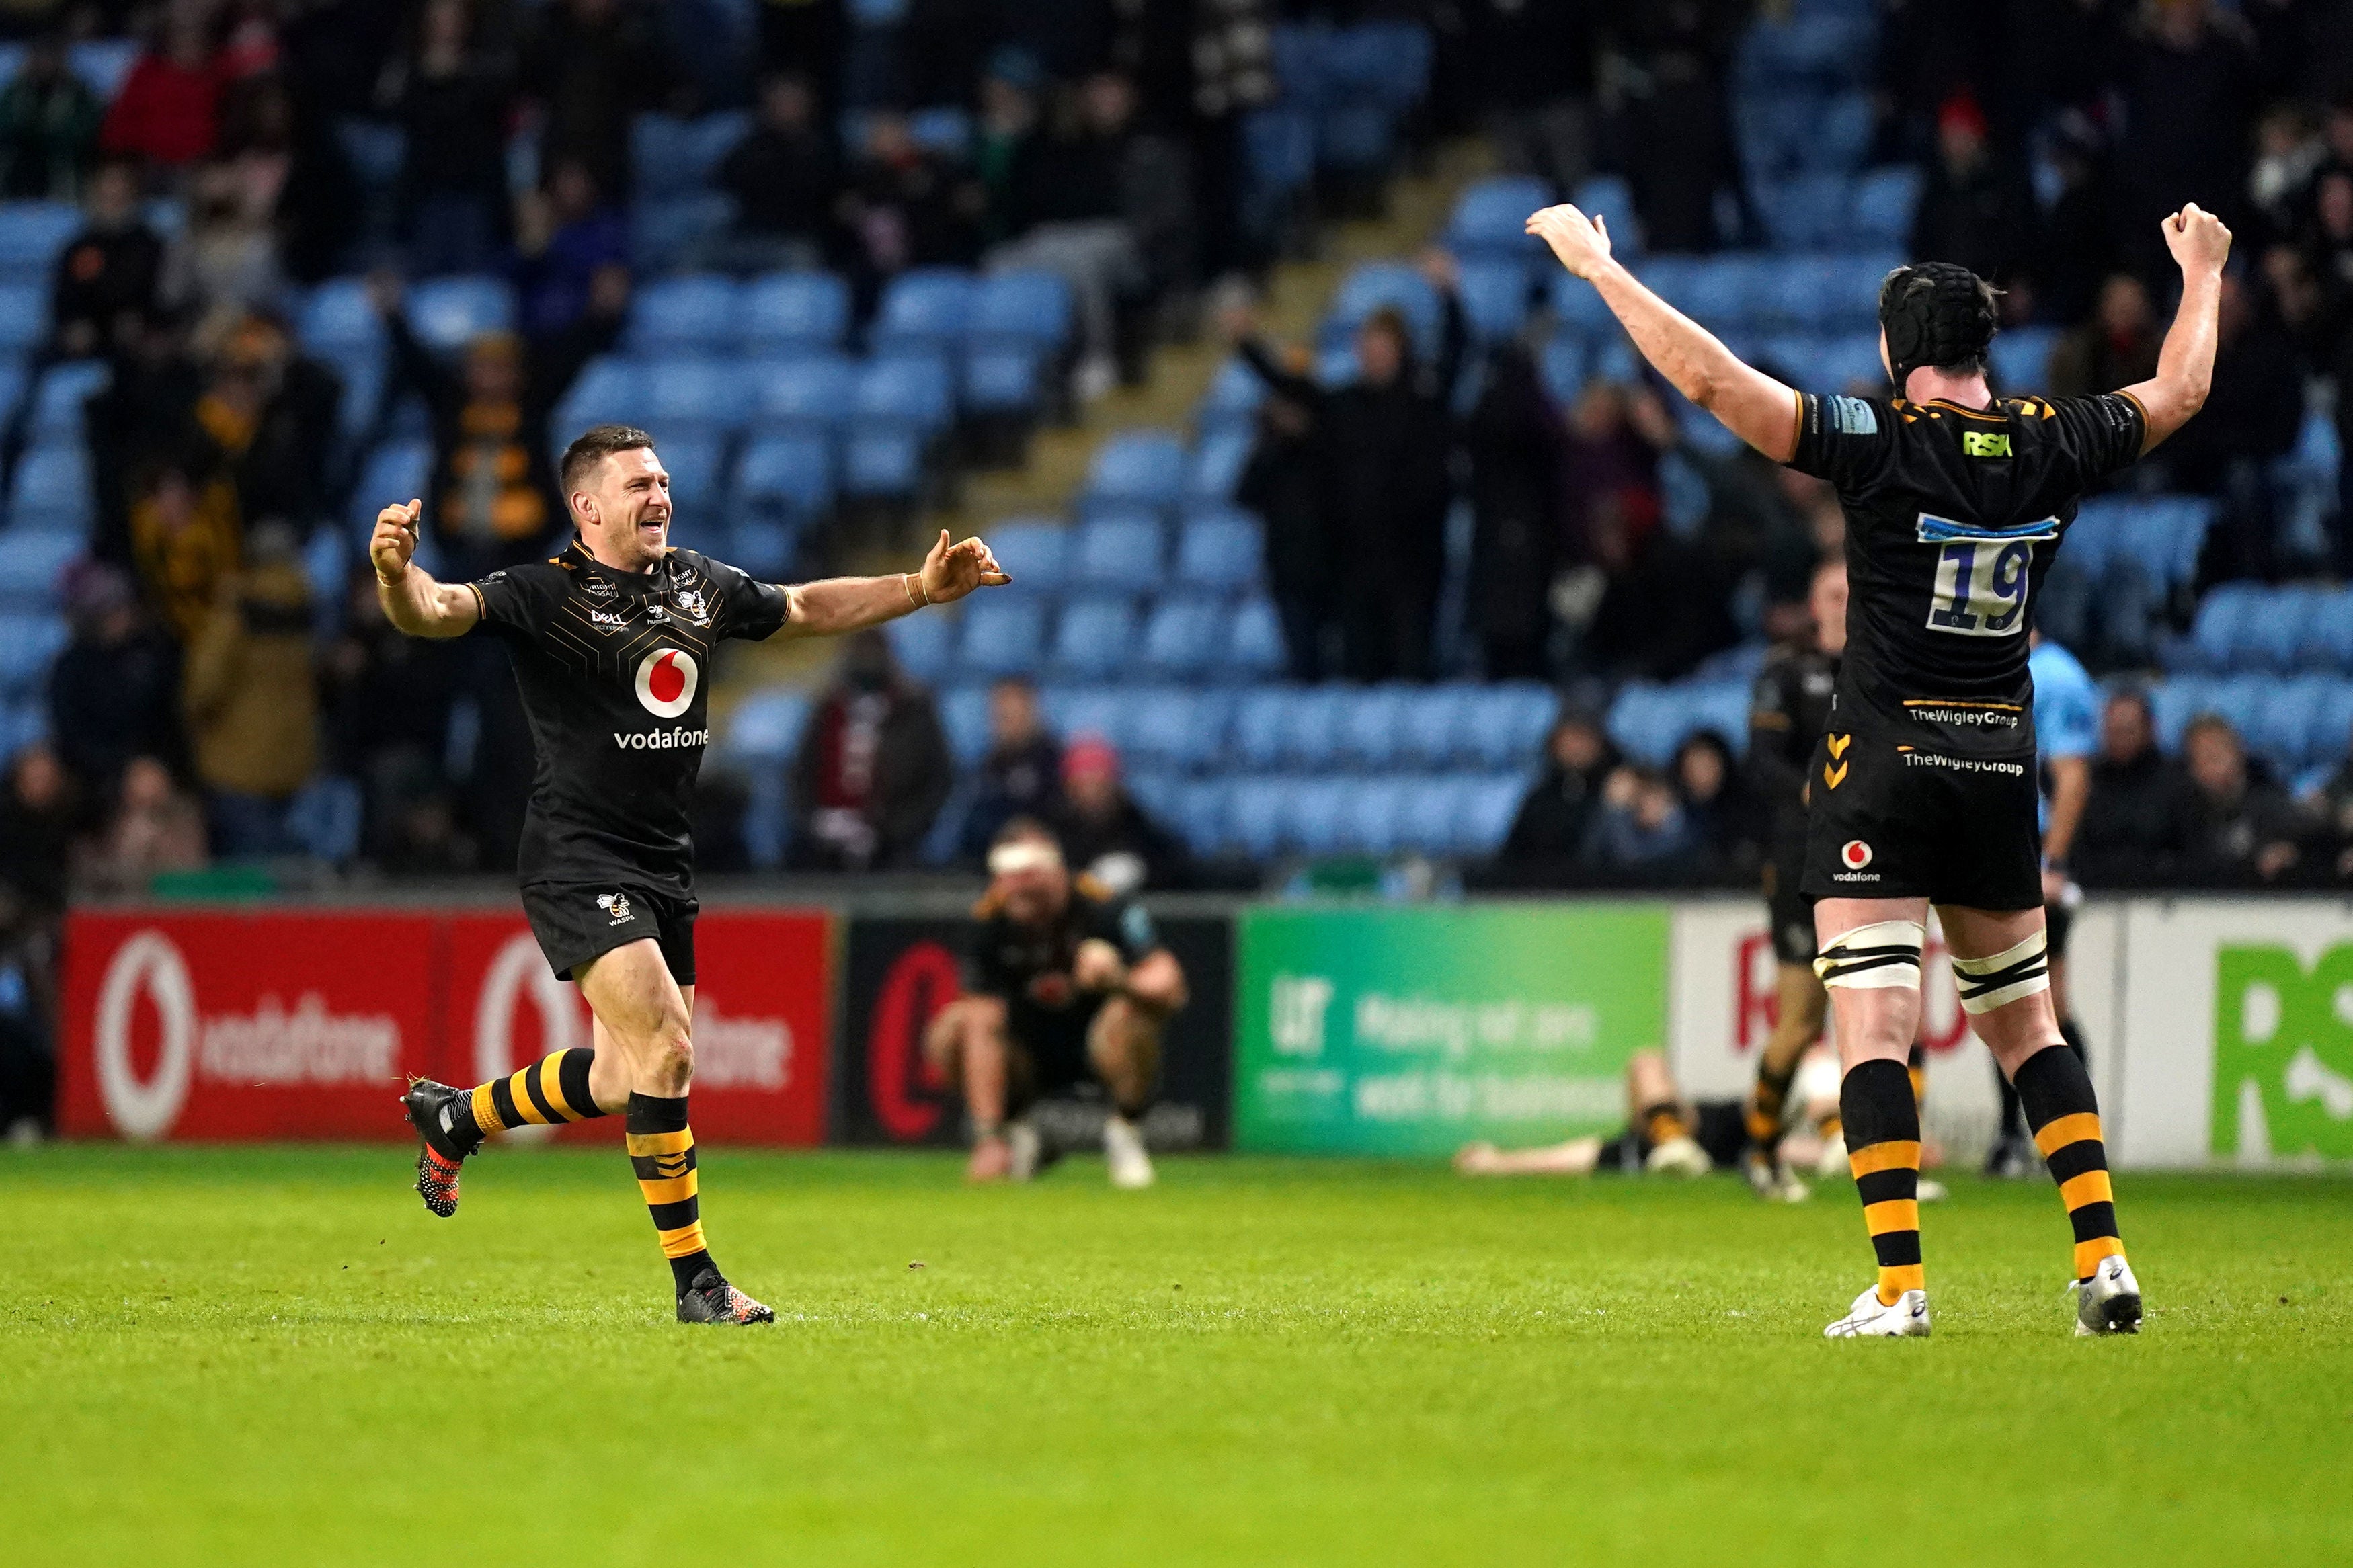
(963, 714)
(697, 313)
(1311, 736)
(1142, 468)
(31, 234)
(1176, 727)
(24, 317)
(784, 479)
(53, 490)
(1004, 378)
(375, 150)
(447, 312)
(1181, 634)
(2221, 628)
(1034, 551)
(1811, 212)
(698, 478)
(2331, 735)
(337, 319)
(1373, 284)
(57, 401)
(2020, 359)
(1637, 720)
(765, 549)
(1198, 814)
(1580, 308)
(2281, 726)
(396, 473)
(1611, 198)
(1214, 471)
(1491, 216)
(31, 562)
(27, 645)
(1255, 813)
(1885, 201)
(103, 64)
(1158, 793)
(1232, 403)
(766, 725)
(1369, 730)
(1027, 306)
(883, 462)
(1121, 549)
(609, 390)
(1722, 706)
(672, 153)
(1094, 638)
(2274, 635)
(1563, 365)
(793, 311)
(1372, 814)
(1494, 296)
(924, 310)
(2173, 702)
(943, 129)
(1506, 725)
(1278, 153)
(1003, 634)
(1253, 648)
(1427, 814)
(703, 394)
(2328, 640)
(806, 392)
(1387, 62)
(1316, 816)
(1099, 711)
(1724, 291)
(1221, 550)
(1487, 805)
(1426, 725)
(1261, 718)
(1840, 137)
(908, 389)
(323, 818)
(2242, 699)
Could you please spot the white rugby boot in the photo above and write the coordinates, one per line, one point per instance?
(1021, 1140)
(1867, 1320)
(2109, 1302)
(1772, 1180)
(1831, 1161)
(1131, 1167)
(1678, 1157)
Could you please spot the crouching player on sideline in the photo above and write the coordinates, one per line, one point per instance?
(1067, 982)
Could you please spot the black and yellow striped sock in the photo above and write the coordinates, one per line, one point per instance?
(1768, 1101)
(549, 1093)
(1883, 1141)
(2065, 1114)
(1663, 1123)
(662, 1153)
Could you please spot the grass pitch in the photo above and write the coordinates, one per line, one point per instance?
(275, 1356)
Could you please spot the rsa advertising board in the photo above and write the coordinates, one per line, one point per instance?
(1411, 1031)
(250, 1024)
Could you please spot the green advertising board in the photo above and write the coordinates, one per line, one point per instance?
(1411, 1031)
(2282, 1054)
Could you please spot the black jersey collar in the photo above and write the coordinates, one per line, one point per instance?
(639, 585)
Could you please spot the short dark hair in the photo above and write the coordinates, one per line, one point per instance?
(593, 446)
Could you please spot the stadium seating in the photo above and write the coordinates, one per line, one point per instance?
(791, 312)
(1135, 471)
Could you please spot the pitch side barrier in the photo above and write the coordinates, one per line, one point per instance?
(2218, 1036)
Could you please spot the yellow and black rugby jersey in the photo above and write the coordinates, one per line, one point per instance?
(614, 671)
(1788, 708)
(1028, 964)
(1952, 516)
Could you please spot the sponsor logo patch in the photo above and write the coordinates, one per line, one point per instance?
(667, 678)
(1857, 854)
(1852, 416)
(612, 619)
(615, 905)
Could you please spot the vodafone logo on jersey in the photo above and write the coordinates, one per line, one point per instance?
(1857, 854)
(666, 681)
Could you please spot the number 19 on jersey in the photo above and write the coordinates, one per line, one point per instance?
(1981, 577)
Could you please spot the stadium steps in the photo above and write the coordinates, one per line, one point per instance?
(1298, 293)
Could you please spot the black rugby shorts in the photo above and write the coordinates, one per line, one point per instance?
(1893, 820)
(576, 921)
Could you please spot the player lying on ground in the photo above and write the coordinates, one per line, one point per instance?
(1066, 983)
(1955, 504)
(610, 641)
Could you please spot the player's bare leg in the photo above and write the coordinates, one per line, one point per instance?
(2000, 962)
(1575, 1158)
(1800, 1003)
(1124, 1048)
(966, 1044)
(646, 1023)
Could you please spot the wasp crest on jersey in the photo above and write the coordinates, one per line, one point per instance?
(667, 678)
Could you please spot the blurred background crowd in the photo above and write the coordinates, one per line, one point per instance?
(1454, 585)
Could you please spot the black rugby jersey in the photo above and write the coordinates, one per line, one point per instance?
(1031, 965)
(1788, 711)
(613, 668)
(1952, 516)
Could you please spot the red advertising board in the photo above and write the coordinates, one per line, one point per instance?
(227, 1025)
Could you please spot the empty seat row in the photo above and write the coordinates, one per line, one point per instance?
(2301, 722)
(2163, 535)
(30, 640)
(1153, 471)
(1823, 290)
(1648, 721)
(1263, 816)
(812, 390)
(32, 563)
(1094, 637)
(1305, 729)
(2243, 627)
(1216, 549)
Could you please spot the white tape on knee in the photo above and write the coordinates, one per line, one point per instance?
(1989, 983)
(1882, 956)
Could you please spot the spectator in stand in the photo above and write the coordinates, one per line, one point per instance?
(2288, 152)
(252, 699)
(1230, 57)
(1549, 835)
(1976, 209)
(2139, 821)
(784, 178)
(1534, 63)
(574, 254)
(1021, 775)
(227, 264)
(386, 701)
(2188, 79)
(593, 65)
(187, 536)
(873, 766)
(114, 691)
(48, 127)
(2247, 832)
(1725, 823)
(1009, 146)
(1641, 835)
(2117, 348)
(1286, 483)
(1512, 436)
(1104, 833)
(37, 820)
(2331, 805)
(1661, 608)
(107, 283)
(491, 500)
(1677, 142)
(167, 110)
(2077, 250)
(2251, 417)
(37, 834)
(453, 98)
(270, 413)
(154, 828)
(2328, 231)
(904, 207)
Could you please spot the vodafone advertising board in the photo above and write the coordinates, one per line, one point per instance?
(234, 1024)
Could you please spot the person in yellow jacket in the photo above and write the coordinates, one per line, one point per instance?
(252, 698)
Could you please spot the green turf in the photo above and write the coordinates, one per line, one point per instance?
(275, 1356)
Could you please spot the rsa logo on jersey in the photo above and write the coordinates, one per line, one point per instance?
(222, 1025)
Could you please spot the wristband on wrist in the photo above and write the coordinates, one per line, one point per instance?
(917, 594)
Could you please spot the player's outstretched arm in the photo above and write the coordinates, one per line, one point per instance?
(2185, 366)
(412, 600)
(847, 603)
(1750, 403)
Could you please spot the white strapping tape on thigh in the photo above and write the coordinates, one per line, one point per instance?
(1989, 983)
(1885, 956)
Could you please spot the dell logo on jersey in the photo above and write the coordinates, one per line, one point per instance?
(666, 681)
(613, 619)
(660, 740)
